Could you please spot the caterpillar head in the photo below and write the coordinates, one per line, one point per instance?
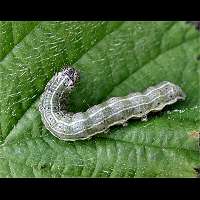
(70, 76)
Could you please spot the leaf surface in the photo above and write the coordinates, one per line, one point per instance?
(114, 58)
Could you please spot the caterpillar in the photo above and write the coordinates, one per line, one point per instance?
(97, 119)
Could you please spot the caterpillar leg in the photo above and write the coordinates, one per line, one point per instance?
(144, 118)
(124, 124)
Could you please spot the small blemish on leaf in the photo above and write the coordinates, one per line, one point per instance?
(195, 134)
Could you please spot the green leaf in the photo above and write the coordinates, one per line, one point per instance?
(114, 58)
